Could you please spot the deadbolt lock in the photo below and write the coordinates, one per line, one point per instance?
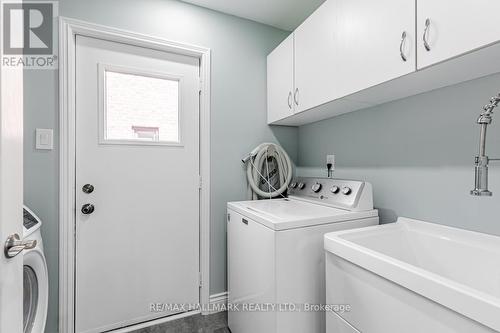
(88, 209)
(88, 188)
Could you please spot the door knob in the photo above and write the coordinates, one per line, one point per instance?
(14, 246)
(88, 209)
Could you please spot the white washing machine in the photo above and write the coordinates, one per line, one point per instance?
(276, 262)
(35, 277)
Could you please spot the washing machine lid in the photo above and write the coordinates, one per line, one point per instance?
(283, 214)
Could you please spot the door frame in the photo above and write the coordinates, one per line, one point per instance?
(68, 30)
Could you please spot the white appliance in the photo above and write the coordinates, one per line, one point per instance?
(35, 277)
(412, 276)
(276, 266)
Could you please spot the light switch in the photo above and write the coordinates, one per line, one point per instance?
(44, 138)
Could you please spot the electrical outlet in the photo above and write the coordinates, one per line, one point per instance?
(330, 159)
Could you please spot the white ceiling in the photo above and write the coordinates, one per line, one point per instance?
(283, 14)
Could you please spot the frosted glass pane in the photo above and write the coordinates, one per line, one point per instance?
(141, 108)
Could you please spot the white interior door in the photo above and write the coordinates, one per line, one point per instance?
(137, 145)
(11, 197)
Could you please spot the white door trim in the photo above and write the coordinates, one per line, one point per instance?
(68, 29)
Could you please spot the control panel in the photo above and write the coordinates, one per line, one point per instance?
(29, 221)
(341, 193)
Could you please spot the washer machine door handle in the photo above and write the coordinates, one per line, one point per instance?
(14, 246)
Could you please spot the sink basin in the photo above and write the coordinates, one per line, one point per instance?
(414, 276)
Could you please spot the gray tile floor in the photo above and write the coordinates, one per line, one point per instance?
(214, 323)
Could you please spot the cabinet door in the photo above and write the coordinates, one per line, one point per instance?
(370, 44)
(315, 59)
(280, 81)
(455, 27)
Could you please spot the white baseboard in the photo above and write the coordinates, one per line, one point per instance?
(218, 302)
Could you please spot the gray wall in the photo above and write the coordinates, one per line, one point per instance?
(238, 120)
(417, 152)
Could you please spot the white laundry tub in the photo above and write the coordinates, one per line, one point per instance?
(413, 276)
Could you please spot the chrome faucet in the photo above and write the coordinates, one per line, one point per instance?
(482, 160)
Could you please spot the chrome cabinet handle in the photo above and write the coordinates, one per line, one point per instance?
(401, 45)
(296, 96)
(426, 34)
(13, 246)
(290, 100)
(88, 209)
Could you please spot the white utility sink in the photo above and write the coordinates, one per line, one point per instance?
(413, 276)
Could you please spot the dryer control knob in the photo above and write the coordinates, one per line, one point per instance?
(346, 190)
(301, 186)
(335, 189)
(293, 185)
(316, 187)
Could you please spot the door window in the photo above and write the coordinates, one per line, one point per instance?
(138, 107)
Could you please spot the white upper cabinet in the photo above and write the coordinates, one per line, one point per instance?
(455, 27)
(316, 59)
(375, 42)
(280, 88)
(353, 54)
